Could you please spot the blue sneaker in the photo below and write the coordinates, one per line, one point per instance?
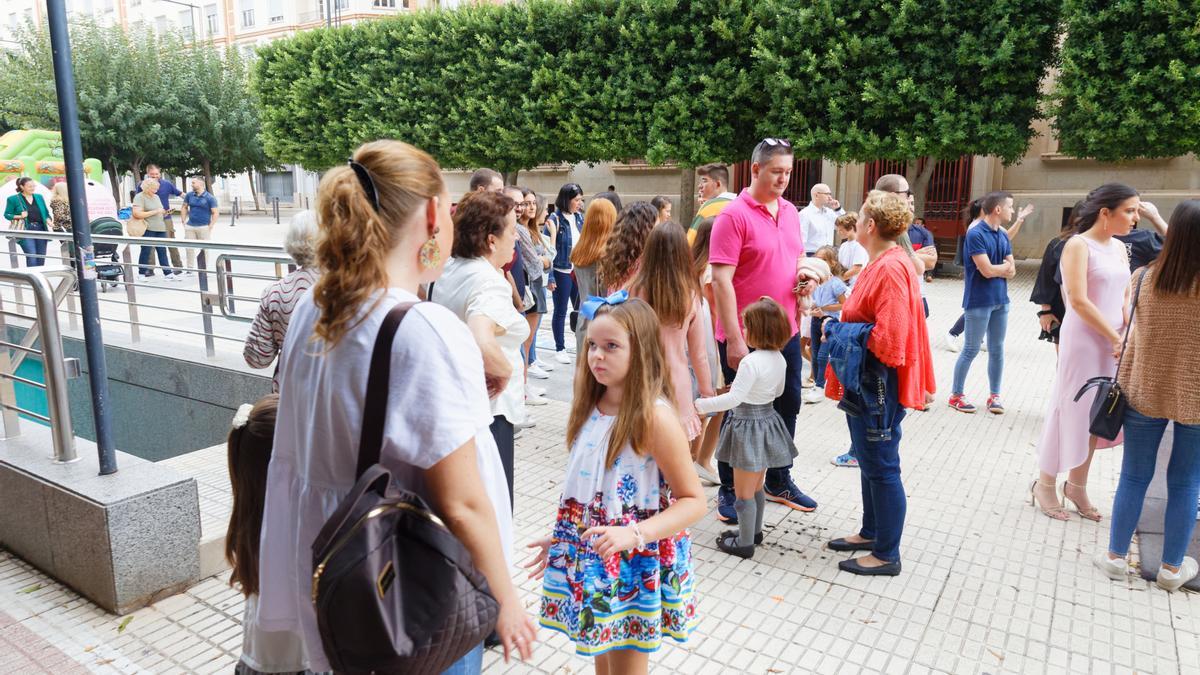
(790, 496)
(845, 459)
(726, 513)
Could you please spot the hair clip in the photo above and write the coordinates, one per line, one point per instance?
(242, 416)
(368, 185)
(595, 302)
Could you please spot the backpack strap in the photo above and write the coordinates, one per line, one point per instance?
(378, 377)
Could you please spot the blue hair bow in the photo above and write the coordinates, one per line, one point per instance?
(594, 302)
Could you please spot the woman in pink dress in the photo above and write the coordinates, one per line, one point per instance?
(665, 281)
(1095, 280)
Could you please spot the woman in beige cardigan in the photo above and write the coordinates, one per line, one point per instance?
(1160, 373)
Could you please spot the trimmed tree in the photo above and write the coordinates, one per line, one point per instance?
(1129, 86)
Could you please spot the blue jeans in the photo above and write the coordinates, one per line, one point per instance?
(820, 351)
(533, 343)
(145, 256)
(562, 296)
(884, 503)
(787, 405)
(470, 664)
(35, 249)
(990, 321)
(1142, 438)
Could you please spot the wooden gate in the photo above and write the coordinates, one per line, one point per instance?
(946, 199)
(805, 174)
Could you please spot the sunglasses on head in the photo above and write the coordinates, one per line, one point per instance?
(777, 141)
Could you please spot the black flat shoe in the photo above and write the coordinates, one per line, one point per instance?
(758, 538)
(840, 544)
(727, 542)
(885, 570)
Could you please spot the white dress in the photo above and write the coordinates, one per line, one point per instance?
(437, 401)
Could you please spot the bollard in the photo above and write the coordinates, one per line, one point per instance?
(233, 213)
(275, 208)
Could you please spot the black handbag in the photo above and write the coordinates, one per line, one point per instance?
(1108, 409)
(394, 590)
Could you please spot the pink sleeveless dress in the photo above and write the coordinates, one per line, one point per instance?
(1084, 354)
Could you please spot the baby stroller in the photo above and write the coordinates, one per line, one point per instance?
(109, 271)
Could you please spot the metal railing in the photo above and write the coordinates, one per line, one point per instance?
(211, 302)
(55, 365)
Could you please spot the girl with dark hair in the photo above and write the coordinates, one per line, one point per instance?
(538, 258)
(567, 221)
(26, 210)
(1047, 289)
(1160, 375)
(663, 206)
(623, 255)
(1095, 282)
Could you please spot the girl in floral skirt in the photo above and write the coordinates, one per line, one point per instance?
(618, 567)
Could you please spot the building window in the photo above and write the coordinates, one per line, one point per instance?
(384, 3)
(247, 18)
(211, 22)
(276, 11)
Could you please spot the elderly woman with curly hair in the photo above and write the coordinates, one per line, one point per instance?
(265, 338)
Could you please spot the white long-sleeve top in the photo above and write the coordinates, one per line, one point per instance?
(759, 380)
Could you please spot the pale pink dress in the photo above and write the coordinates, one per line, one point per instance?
(1083, 354)
(684, 345)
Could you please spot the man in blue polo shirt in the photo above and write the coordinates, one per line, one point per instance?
(166, 190)
(199, 215)
(989, 265)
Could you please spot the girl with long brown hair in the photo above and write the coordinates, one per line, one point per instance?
(623, 254)
(537, 256)
(629, 496)
(666, 282)
(385, 228)
(597, 226)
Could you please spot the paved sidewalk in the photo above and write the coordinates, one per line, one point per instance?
(989, 584)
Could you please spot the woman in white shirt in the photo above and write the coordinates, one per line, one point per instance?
(384, 221)
(474, 288)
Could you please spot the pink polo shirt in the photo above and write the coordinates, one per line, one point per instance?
(763, 249)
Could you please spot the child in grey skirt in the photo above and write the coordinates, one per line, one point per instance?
(753, 438)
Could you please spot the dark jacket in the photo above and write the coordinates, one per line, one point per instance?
(870, 388)
(16, 205)
(1047, 287)
(564, 239)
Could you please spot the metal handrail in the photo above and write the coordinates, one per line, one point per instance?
(145, 241)
(225, 296)
(53, 364)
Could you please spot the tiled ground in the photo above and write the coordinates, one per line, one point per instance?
(989, 584)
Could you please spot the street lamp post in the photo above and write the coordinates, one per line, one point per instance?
(85, 262)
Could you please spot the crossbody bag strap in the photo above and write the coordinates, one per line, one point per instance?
(378, 377)
(1137, 290)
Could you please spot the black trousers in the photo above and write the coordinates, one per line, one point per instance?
(502, 431)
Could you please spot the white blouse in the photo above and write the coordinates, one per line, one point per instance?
(759, 380)
(437, 401)
(473, 287)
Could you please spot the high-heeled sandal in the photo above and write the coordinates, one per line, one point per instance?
(1092, 514)
(1056, 512)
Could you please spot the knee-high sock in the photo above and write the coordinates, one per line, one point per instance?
(746, 509)
(760, 501)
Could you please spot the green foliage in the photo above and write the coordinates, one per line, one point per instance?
(1129, 86)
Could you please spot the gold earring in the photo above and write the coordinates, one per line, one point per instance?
(430, 255)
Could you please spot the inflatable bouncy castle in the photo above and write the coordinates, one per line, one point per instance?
(37, 153)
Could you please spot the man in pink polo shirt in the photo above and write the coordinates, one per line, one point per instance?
(755, 244)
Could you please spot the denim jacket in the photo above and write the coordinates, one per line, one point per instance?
(870, 388)
(564, 239)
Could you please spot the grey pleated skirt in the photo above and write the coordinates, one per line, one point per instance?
(754, 438)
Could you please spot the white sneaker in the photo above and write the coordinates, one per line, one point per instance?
(527, 424)
(954, 343)
(562, 358)
(175, 277)
(544, 365)
(534, 390)
(814, 395)
(1171, 581)
(535, 399)
(1113, 569)
(538, 373)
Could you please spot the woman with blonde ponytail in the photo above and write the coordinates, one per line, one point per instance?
(385, 228)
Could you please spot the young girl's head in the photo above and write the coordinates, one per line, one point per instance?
(249, 442)
(700, 245)
(666, 279)
(829, 255)
(623, 353)
(765, 325)
(846, 224)
(623, 252)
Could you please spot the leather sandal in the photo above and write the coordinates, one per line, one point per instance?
(1092, 513)
(1056, 512)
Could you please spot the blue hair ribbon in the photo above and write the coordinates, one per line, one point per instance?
(595, 302)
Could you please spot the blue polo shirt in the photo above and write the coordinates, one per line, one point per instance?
(200, 208)
(919, 236)
(980, 291)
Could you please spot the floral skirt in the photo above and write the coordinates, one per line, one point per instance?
(629, 601)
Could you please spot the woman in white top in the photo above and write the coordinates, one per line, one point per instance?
(474, 288)
(385, 221)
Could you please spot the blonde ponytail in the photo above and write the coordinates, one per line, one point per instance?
(355, 239)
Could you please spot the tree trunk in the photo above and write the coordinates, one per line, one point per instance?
(206, 169)
(687, 197)
(114, 180)
(253, 192)
(918, 172)
(510, 177)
